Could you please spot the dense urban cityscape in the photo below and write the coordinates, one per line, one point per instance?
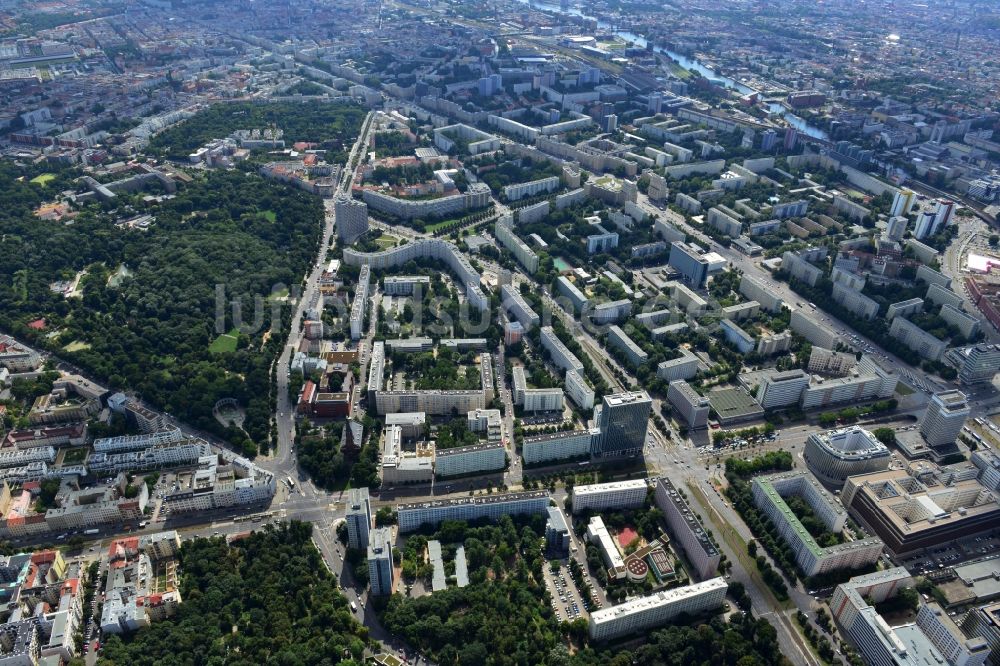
(563, 333)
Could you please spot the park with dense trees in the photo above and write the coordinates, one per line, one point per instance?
(266, 599)
(224, 237)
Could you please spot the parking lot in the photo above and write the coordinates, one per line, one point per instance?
(954, 554)
(567, 602)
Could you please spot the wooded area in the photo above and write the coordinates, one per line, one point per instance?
(213, 243)
(268, 599)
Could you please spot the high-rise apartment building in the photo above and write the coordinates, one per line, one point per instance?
(359, 517)
(351, 218)
(380, 561)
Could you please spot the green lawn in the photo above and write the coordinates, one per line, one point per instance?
(269, 215)
(431, 228)
(903, 389)
(76, 345)
(43, 179)
(225, 343)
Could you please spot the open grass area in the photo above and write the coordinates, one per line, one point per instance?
(386, 241)
(225, 343)
(431, 228)
(76, 346)
(903, 389)
(43, 179)
(269, 215)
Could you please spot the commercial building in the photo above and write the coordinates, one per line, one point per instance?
(399, 467)
(477, 459)
(656, 609)
(619, 339)
(359, 517)
(687, 529)
(557, 446)
(380, 569)
(412, 516)
(220, 482)
(615, 495)
(691, 406)
(978, 363)
(769, 494)
(782, 389)
(834, 455)
(578, 390)
(916, 508)
(946, 414)
(688, 260)
(623, 421)
(351, 217)
(561, 356)
(514, 303)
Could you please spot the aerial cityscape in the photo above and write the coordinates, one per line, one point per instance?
(515, 333)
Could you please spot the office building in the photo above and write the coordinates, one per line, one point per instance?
(623, 421)
(578, 390)
(615, 495)
(769, 493)
(561, 356)
(476, 459)
(978, 363)
(656, 609)
(557, 533)
(351, 218)
(619, 339)
(691, 406)
(834, 455)
(412, 516)
(380, 571)
(916, 508)
(946, 414)
(688, 260)
(359, 517)
(782, 389)
(565, 445)
(686, 529)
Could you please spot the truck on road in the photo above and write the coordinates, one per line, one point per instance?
(91, 531)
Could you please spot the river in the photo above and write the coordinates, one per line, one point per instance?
(695, 66)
